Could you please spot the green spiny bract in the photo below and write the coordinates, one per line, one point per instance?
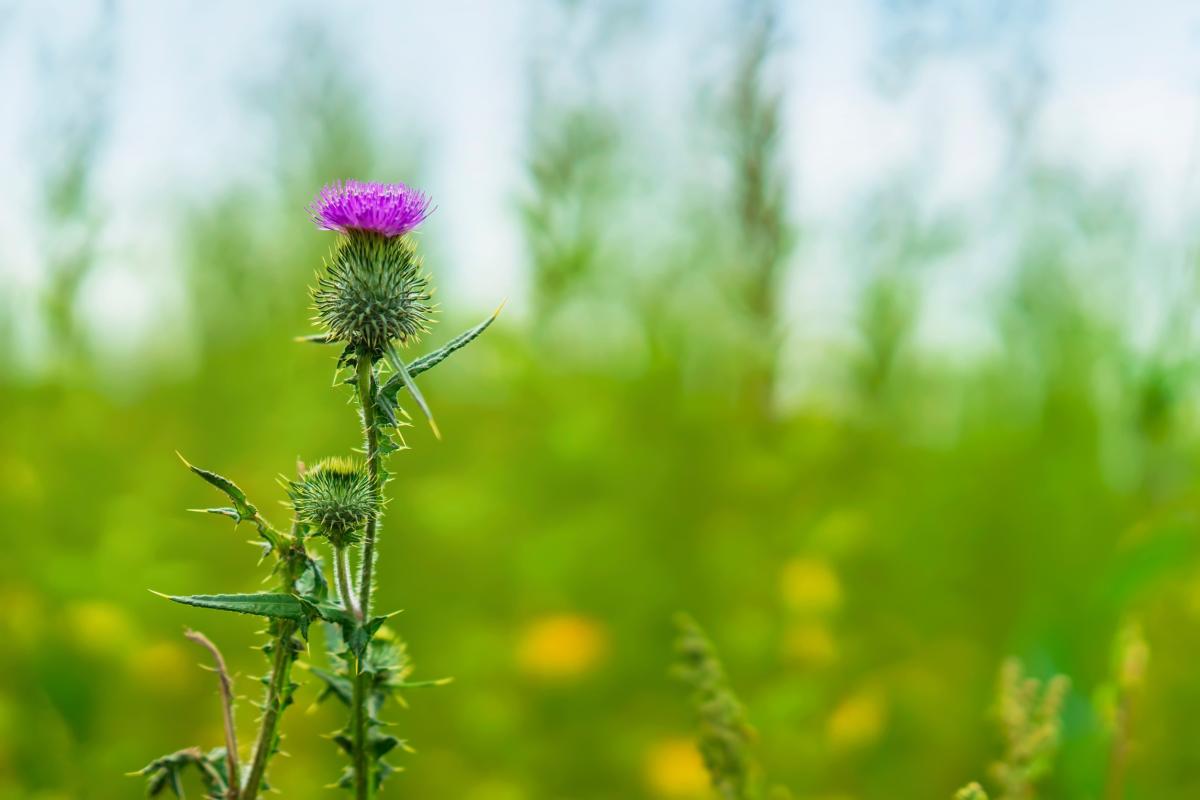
(372, 292)
(725, 734)
(336, 498)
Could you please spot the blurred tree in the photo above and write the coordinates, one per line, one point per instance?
(758, 192)
(572, 140)
(75, 117)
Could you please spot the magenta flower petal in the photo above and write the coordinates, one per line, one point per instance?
(389, 209)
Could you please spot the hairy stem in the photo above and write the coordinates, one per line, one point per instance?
(281, 675)
(366, 400)
(358, 719)
(231, 745)
(341, 574)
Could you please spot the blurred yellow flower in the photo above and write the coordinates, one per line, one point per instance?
(858, 720)
(561, 647)
(673, 768)
(809, 644)
(163, 667)
(97, 627)
(810, 586)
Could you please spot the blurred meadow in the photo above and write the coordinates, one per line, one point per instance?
(864, 333)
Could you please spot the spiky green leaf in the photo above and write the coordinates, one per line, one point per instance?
(335, 685)
(406, 378)
(392, 387)
(224, 511)
(242, 506)
(166, 772)
(316, 338)
(431, 360)
(273, 605)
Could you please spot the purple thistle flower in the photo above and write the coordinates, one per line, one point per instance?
(389, 209)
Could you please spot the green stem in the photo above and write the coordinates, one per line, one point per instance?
(358, 718)
(366, 399)
(341, 574)
(281, 675)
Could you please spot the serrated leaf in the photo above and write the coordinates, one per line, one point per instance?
(383, 771)
(387, 411)
(316, 338)
(224, 511)
(335, 685)
(348, 358)
(430, 360)
(391, 442)
(244, 508)
(406, 377)
(264, 604)
(382, 744)
(422, 684)
(166, 772)
(312, 584)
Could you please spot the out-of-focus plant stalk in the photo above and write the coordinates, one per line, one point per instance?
(232, 764)
(1132, 657)
(759, 194)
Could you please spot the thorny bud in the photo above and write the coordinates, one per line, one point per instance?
(337, 497)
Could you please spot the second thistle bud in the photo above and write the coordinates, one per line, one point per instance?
(336, 497)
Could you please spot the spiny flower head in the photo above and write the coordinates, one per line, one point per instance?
(388, 209)
(373, 292)
(337, 497)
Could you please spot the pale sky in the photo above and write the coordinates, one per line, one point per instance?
(1121, 99)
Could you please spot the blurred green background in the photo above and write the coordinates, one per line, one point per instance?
(874, 445)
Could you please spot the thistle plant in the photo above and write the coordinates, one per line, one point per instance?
(372, 298)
